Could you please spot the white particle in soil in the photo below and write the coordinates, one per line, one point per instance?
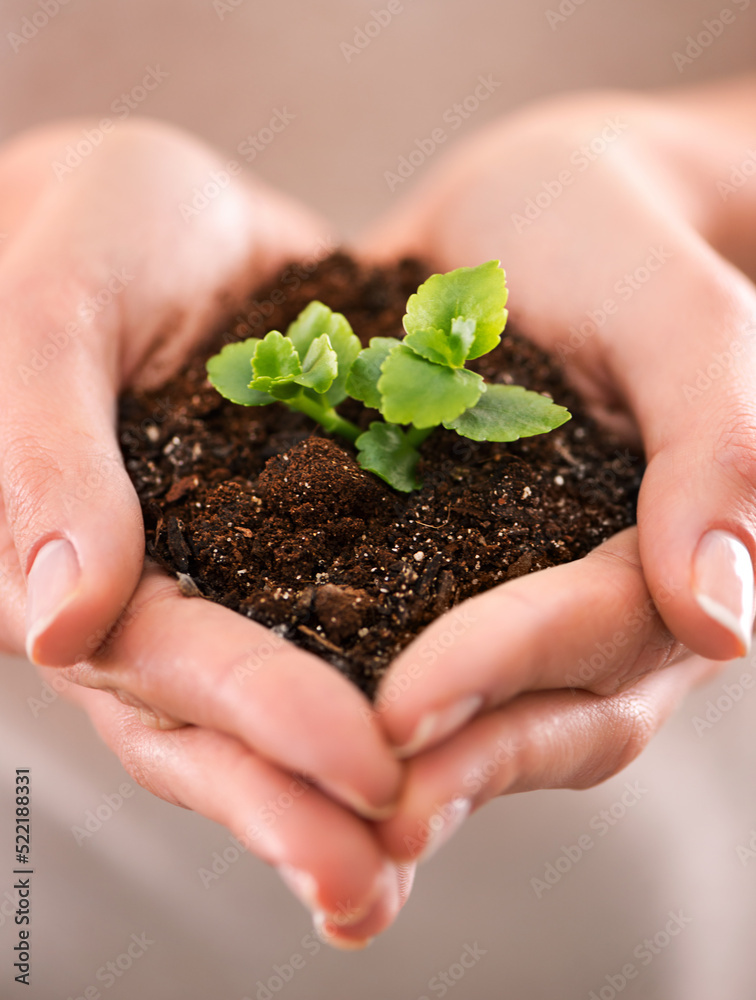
(419, 556)
(526, 493)
(559, 480)
(152, 433)
(363, 632)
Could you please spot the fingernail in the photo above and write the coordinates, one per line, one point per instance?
(723, 584)
(327, 931)
(433, 727)
(351, 927)
(51, 585)
(443, 824)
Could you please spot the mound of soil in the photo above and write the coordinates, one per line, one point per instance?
(257, 509)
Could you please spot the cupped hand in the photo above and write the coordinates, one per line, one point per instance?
(625, 225)
(110, 274)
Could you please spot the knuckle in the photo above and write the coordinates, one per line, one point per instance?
(735, 446)
(32, 472)
(59, 471)
(629, 722)
(149, 757)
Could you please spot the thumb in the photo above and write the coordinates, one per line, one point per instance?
(690, 374)
(71, 509)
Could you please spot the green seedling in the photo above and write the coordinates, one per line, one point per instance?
(417, 383)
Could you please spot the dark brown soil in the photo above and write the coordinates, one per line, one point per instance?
(255, 508)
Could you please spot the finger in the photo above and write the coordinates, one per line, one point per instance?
(201, 663)
(588, 624)
(92, 283)
(670, 348)
(351, 936)
(326, 855)
(73, 513)
(555, 739)
(693, 394)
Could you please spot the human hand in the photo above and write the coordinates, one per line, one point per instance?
(626, 259)
(106, 284)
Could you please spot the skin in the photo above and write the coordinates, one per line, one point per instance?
(655, 185)
(163, 664)
(354, 822)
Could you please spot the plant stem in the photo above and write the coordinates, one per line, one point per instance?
(416, 435)
(326, 416)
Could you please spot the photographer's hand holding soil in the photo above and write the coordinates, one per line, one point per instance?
(73, 559)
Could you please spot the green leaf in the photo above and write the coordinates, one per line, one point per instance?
(385, 450)
(278, 370)
(416, 391)
(509, 412)
(314, 321)
(230, 371)
(320, 366)
(476, 294)
(363, 378)
(274, 362)
(441, 348)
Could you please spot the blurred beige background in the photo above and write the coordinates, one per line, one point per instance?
(224, 69)
(231, 64)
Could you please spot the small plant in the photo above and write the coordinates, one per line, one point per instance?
(419, 382)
